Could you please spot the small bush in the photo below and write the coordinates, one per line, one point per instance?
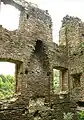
(81, 115)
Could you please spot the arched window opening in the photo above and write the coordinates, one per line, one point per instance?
(60, 80)
(56, 80)
(9, 17)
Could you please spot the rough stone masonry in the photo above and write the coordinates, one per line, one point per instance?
(32, 49)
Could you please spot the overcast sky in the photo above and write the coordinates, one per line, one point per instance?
(9, 16)
(60, 8)
(57, 9)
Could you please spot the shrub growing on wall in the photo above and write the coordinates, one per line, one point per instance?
(81, 115)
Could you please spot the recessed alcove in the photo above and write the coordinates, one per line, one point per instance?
(38, 46)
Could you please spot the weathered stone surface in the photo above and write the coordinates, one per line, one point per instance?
(31, 48)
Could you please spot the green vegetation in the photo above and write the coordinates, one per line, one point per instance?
(81, 115)
(6, 86)
(56, 76)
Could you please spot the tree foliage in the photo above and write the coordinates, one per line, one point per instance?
(6, 86)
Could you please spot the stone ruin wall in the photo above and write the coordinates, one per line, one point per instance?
(31, 48)
(73, 29)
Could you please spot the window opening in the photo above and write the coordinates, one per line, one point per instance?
(76, 80)
(7, 80)
(56, 80)
(80, 104)
(9, 17)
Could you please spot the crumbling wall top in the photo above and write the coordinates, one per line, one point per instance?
(19, 3)
(68, 19)
(30, 8)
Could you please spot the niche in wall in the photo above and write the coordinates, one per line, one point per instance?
(38, 47)
(76, 80)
